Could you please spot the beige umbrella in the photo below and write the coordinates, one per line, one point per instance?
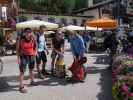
(73, 27)
(34, 24)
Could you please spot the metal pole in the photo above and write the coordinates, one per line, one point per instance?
(118, 11)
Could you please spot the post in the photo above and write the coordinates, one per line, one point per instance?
(118, 11)
(99, 12)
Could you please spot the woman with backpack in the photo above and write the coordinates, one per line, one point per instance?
(26, 53)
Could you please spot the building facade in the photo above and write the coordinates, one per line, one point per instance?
(97, 9)
(8, 8)
(8, 13)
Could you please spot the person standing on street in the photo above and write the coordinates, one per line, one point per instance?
(26, 52)
(78, 51)
(77, 45)
(42, 52)
(58, 48)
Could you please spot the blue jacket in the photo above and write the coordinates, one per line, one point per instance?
(77, 46)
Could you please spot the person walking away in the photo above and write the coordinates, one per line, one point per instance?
(78, 50)
(58, 48)
(42, 52)
(26, 52)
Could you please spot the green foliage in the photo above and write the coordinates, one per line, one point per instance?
(53, 6)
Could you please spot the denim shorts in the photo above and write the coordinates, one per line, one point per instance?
(26, 60)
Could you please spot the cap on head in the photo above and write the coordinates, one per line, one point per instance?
(27, 30)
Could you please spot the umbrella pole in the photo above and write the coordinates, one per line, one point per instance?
(97, 28)
(85, 29)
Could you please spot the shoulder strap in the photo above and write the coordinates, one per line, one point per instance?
(38, 35)
(34, 42)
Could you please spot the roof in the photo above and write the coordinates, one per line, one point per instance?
(95, 6)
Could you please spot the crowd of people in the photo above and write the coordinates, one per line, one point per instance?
(32, 49)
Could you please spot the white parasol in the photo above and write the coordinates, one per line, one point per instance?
(36, 24)
(73, 27)
(79, 28)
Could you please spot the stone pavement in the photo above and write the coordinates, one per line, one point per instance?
(97, 85)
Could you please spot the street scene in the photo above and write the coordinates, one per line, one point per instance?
(97, 85)
(66, 49)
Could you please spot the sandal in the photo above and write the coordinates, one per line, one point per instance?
(22, 90)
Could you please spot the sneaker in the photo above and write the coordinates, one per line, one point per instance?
(22, 90)
(44, 72)
(32, 83)
(40, 76)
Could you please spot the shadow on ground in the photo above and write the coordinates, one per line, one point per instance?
(106, 86)
(105, 82)
(48, 81)
(4, 85)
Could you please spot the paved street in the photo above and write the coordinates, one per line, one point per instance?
(97, 85)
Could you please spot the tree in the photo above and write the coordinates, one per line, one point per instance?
(81, 4)
(53, 6)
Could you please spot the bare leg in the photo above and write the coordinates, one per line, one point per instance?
(33, 83)
(38, 68)
(21, 79)
(22, 88)
(31, 75)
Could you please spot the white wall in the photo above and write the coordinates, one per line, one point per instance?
(90, 3)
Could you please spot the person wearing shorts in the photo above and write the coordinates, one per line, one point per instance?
(26, 52)
(42, 53)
